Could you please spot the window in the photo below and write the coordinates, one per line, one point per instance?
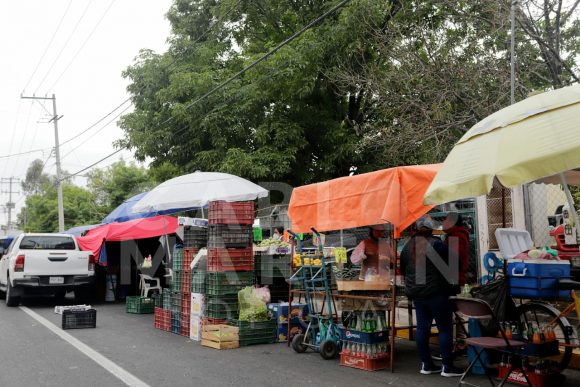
(47, 243)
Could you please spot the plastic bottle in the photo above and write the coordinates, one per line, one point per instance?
(508, 331)
(373, 323)
(536, 338)
(358, 325)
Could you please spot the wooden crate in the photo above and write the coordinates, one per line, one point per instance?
(354, 285)
(220, 336)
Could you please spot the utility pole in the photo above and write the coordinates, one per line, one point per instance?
(55, 119)
(10, 205)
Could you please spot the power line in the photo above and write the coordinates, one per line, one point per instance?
(82, 45)
(24, 153)
(95, 124)
(235, 76)
(199, 38)
(265, 56)
(49, 44)
(65, 45)
(97, 132)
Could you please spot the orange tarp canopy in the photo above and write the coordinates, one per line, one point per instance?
(393, 195)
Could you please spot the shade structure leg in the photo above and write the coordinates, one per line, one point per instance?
(570, 202)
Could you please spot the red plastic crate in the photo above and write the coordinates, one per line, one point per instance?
(162, 318)
(186, 303)
(185, 325)
(189, 254)
(221, 212)
(221, 259)
(363, 363)
(551, 379)
(186, 282)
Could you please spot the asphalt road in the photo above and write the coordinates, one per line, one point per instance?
(125, 349)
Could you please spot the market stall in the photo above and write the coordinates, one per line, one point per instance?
(548, 123)
(393, 197)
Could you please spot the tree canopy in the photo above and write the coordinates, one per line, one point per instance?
(377, 84)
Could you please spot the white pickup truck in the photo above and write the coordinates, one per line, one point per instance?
(45, 264)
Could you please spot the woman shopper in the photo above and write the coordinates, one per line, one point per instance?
(457, 241)
(429, 280)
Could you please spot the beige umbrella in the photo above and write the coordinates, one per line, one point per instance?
(533, 139)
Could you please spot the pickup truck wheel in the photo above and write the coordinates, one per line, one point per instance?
(11, 299)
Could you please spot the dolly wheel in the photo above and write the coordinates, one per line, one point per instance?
(298, 344)
(328, 349)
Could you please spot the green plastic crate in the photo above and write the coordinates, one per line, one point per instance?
(230, 278)
(176, 282)
(223, 290)
(177, 259)
(140, 305)
(198, 282)
(167, 298)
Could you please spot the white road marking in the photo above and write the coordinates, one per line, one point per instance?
(120, 373)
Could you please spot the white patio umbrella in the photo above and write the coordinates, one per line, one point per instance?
(197, 190)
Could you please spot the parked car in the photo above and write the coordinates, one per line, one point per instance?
(45, 264)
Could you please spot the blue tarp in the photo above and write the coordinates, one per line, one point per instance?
(77, 231)
(123, 212)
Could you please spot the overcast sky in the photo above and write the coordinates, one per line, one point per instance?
(77, 51)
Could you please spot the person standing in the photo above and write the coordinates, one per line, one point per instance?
(428, 282)
(457, 241)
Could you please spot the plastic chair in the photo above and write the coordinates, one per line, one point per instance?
(146, 282)
(480, 310)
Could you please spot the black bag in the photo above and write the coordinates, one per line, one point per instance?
(497, 294)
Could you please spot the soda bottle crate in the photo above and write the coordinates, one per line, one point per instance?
(79, 319)
(227, 236)
(221, 212)
(139, 305)
(363, 363)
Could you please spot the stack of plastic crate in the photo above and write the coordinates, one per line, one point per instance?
(230, 258)
(162, 315)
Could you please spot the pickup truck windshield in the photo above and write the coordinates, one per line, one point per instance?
(47, 243)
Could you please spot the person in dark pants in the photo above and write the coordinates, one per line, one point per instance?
(429, 280)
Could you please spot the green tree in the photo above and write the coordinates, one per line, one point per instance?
(35, 180)
(40, 213)
(113, 185)
(285, 119)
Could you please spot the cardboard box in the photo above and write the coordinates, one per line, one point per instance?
(195, 328)
(197, 304)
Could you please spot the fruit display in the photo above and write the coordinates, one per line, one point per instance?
(272, 243)
(297, 262)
